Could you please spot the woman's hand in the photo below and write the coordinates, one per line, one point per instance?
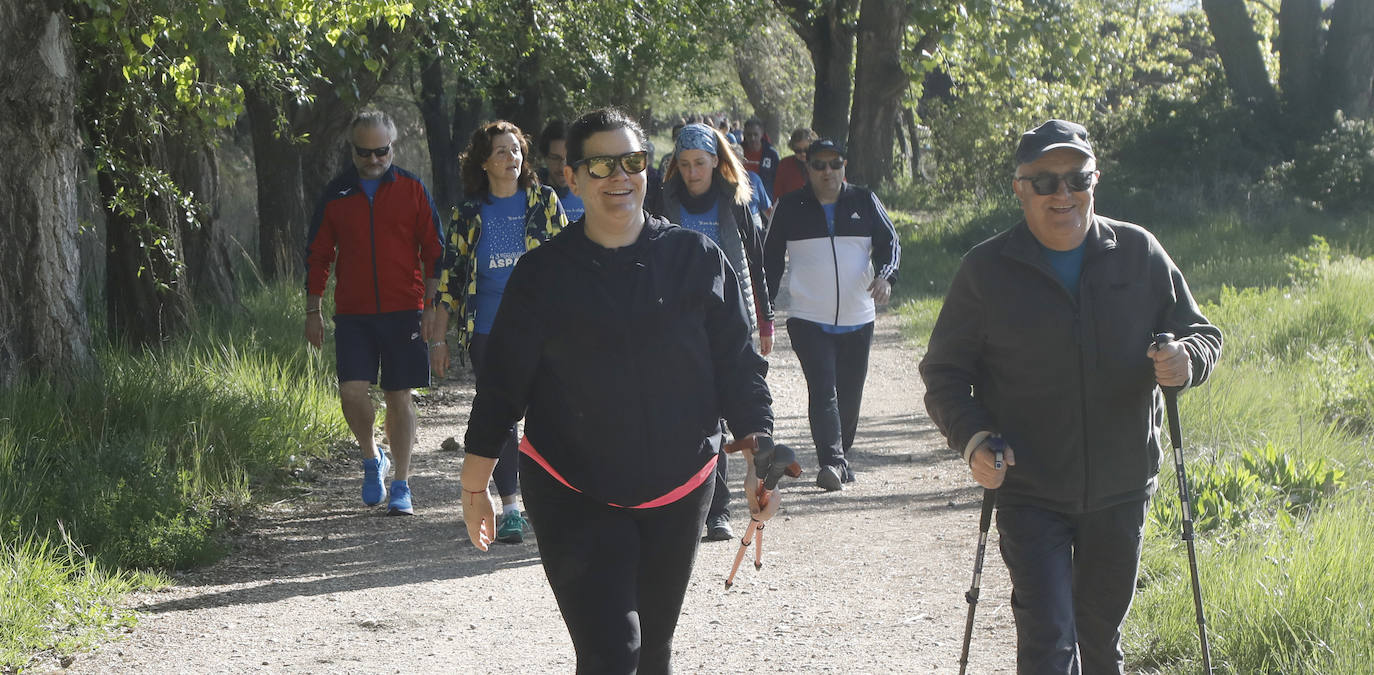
(480, 518)
(478, 514)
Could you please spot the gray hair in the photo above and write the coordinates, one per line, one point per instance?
(374, 118)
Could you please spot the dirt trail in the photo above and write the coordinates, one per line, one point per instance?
(867, 580)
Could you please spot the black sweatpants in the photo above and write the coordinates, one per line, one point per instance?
(835, 367)
(619, 574)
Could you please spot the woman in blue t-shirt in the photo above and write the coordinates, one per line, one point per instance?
(706, 189)
(506, 213)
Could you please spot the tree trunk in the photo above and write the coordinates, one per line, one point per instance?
(43, 326)
(758, 87)
(437, 115)
(829, 36)
(209, 254)
(282, 214)
(1350, 58)
(1299, 63)
(879, 83)
(1239, 47)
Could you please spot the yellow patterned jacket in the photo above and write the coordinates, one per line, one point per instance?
(544, 218)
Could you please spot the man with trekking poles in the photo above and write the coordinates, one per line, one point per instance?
(1045, 348)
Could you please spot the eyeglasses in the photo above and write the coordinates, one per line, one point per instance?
(820, 164)
(1048, 183)
(378, 152)
(602, 166)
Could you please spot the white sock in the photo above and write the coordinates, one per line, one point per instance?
(507, 509)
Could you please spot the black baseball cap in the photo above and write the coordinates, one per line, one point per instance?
(1052, 135)
(822, 145)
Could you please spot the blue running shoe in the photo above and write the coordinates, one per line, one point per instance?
(374, 477)
(400, 499)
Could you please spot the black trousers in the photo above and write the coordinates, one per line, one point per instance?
(720, 501)
(619, 575)
(507, 471)
(1072, 579)
(835, 367)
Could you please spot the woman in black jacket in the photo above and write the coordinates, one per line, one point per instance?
(707, 190)
(622, 342)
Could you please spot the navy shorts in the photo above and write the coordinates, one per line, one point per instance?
(362, 342)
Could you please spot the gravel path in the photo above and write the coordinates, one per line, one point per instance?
(867, 580)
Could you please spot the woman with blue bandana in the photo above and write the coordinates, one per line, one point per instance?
(707, 190)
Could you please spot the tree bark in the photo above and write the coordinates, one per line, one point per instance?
(1239, 47)
(43, 325)
(437, 114)
(1350, 58)
(828, 32)
(282, 215)
(758, 88)
(209, 254)
(1300, 48)
(879, 83)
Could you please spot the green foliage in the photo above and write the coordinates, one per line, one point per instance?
(1337, 171)
(143, 462)
(1267, 486)
(1016, 64)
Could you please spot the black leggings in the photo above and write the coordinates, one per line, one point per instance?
(619, 575)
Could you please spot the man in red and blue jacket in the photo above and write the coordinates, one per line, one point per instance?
(377, 227)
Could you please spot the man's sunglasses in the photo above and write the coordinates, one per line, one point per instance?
(602, 166)
(378, 152)
(1048, 183)
(820, 164)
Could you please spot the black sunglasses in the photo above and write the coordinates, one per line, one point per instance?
(820, 164)
(602, 166)
(378, 152)
(1048, 183)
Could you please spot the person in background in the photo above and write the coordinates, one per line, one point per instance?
(377, 226)
(1044, 349)
(792, 170)
(759, 155)
(706, 190)
(622, 342)
(507, 213)
(759, 202)
(553, 146)
(843, 255)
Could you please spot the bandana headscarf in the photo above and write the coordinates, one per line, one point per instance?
(697, 137)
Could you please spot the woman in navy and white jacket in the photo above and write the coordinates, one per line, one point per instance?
(843, 255)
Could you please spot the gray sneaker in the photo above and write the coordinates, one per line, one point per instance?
(829, 478)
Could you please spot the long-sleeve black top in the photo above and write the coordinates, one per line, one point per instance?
(622, 361)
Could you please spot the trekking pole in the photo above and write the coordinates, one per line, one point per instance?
(984, 524)
(1185, 496)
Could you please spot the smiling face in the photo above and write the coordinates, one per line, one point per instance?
(696, 168)
(366, 137)
(503, 164)
(1059, 220)
(615, 204)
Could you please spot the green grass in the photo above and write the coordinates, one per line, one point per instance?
(54, 600)
(1284, 563)
(144, 461)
